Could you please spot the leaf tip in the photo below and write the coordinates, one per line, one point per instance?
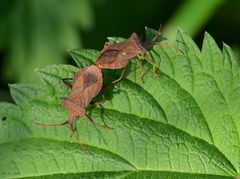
(226, 46)
(69, 50)
(208, 36)
(227, 50)
(13, 86)
(206, 33)
(179, 30)
(10, 86)
(36, 70)
(210, 44)
(181, 35)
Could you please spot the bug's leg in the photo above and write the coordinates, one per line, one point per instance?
(157, 35)
(105, 126)
(66, 83)
(102, 91)
(122, 74)
(62, 98)
(73, 127)
(98, 102)
(152, 63)
(90, 120)
(78, 141)
(143, 71)
(104, 88)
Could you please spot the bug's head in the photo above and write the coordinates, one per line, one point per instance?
(153, 37)
(138, 43)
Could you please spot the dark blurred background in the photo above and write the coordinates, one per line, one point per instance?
(35, 33)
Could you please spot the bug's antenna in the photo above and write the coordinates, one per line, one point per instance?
(157, 35)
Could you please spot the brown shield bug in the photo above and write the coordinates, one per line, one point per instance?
(87, 83)
(118, 55)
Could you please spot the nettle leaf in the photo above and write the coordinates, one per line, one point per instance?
(152, 33)
(183, 123)
(115, 39)
(83, 57)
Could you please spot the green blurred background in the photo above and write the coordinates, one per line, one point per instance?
(35, 33)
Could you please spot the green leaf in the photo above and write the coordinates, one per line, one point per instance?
(83, 57)
(115, 39)
(152, 33)
(183, 123)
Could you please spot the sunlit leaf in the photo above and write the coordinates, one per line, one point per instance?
(183, 123)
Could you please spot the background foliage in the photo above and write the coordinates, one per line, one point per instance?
(36, 33)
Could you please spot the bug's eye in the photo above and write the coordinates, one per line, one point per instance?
(106, 44)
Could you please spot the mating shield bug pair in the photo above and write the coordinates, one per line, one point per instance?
(118, 55)
(88, 82)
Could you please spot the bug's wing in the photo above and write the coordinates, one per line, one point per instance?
(76, 96)
(78, 80)
(86, 84)
(110, 59)
(117, 55)
(77, 88)
(92, 83)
